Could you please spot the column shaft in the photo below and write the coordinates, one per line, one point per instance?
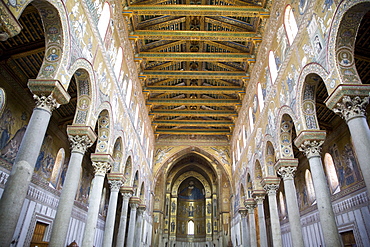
(360, 134)
(123, 221)
(262, 223)
(327, 218)
(293, 212)
(66, 201)
(93, 213)
(252, 229)
(274, 217)
(138, 231)
(111, 216)
(245, 232)
(131, 226)
(20, 177)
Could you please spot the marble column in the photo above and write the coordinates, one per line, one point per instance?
(250, 204)
(81, 137)
(16, 188)
(350, 102)
(126, 193)
(286, 169)
(102, 163)
(245, 232)
(309, 142)
(134, 204)
(115, 180)
(259, 197)
(271, 185)
(139, 225)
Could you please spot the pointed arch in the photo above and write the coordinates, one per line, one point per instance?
(270, 159)
(128, 171)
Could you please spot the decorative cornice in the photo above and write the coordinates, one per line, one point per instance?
(49, 87)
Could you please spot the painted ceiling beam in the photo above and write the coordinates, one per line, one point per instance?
(194, 35)
(195, 56)
(194, 102)
(193, 113)
(194, 74)
(203, 123)
(195, 10)
(193, 131)
(194, 89)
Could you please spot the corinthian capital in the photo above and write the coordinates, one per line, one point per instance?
(101, 168)
(47, 103)
(351, 107)
(311, 148)
(79, 143)
(271, 188)
(115, 185)
(287, 172)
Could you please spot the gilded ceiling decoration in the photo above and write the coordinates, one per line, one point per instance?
(195, 58)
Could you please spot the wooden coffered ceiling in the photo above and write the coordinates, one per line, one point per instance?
(195, 57)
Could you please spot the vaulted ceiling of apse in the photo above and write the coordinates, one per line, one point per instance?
(195, 58)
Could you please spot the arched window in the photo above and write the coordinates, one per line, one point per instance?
(272, 66)
(309, 185)
(251, 120)
(104, 20)
(331, 173)
(118, 64)
(56, 169)
(190, 227)
(290, 24)
(260, 96)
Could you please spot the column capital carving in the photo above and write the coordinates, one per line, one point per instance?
(115, 185)
(351, 107)
(310, 141)
(287, 172)
(250, 205)
(259, 199)
(80, 137)
(243, 212)
(271, 188)
(101, 168)
(126, 192)
(47, 103)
